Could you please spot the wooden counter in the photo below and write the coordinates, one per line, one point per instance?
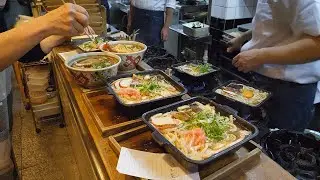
(94, 156)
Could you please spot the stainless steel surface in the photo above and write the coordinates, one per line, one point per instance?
(196, 32)
(245, 27)
(178, 28)
(179, 46)
(174, 45)
(124, 7)
(143, 66)
(171, 45)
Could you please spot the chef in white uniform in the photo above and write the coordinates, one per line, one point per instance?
(152, 18)
(284, 52)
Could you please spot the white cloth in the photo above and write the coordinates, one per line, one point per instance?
(280, 22)
(2, 3)
(154, 5)
(5, 82)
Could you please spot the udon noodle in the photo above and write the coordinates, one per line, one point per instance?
(94, 62)
(198, 131)
(122, 48)
(142, 88)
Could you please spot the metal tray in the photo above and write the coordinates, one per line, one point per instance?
(196, 32)
(140, 138)
(192, 165)
(175, 66)
(233, 100)
(177, 85)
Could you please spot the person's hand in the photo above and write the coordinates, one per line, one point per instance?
(67, 20)
(235, 44)
(248, 60)
(52, 41)
(164, 33)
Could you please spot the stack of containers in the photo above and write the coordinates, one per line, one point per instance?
(38, 82)
(44, 103)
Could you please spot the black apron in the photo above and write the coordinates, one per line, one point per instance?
(150, 24)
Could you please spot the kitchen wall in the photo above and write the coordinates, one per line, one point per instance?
(233, 9)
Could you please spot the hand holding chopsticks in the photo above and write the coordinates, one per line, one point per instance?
(67, 20)
(87, 30)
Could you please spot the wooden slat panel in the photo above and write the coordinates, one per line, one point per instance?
(88, 7)
(93, 19)
(96, 24)
(80, 2)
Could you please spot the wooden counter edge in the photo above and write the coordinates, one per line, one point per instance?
(101, 144)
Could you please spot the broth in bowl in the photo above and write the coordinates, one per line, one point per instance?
(91, 70)
(130, 52)
(122, 48)
(94, 62)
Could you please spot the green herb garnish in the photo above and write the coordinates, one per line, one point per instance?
(214, 125)
(149, 87)
(101, 64)
(203, 68)
(91, 45)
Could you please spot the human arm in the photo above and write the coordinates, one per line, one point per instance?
(235, 44)
(301, 51)
(170, 6)
(50, 42)
(40, 50)
(130, 16)
(68, 20)
(304, 22)
(167, 23)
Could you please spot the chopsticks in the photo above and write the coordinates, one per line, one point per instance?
(134, 34)
(86, 29)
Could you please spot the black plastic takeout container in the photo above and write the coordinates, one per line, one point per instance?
(175, 84)
(238, 102)
(175, 67)
(189, 164)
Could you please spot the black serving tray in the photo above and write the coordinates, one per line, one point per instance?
(192, 165)
(239, 102)
(175, 67)
(177, 85)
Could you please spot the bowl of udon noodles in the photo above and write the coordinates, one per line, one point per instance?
(93, 69)
(131, 52)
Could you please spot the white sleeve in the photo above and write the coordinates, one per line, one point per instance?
(171, 4)
(307, 17)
